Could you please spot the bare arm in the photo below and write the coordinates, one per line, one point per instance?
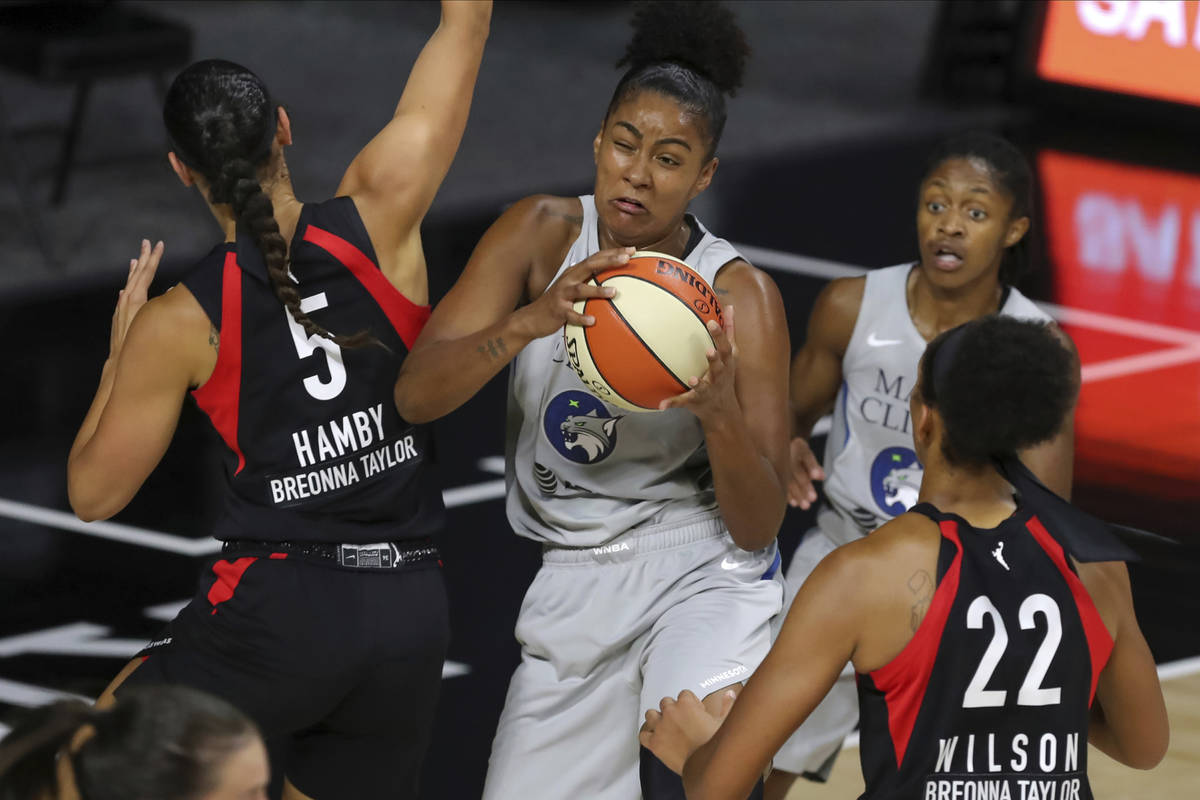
(1129, 716)
(477, 329)
(395, 177)
(816, 374)
(742, 405)
(136, 408)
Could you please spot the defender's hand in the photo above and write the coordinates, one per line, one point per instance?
(681, 727)
(133, 296)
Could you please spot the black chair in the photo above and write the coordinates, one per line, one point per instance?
(79, 44)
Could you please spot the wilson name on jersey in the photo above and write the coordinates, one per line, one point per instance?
(991, 697)
(316, 449)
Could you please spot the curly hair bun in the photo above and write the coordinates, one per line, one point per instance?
(702, 35)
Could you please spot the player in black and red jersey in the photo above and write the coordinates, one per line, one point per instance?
(325, 619)
(993, 635)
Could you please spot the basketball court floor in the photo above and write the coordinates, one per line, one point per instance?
(1118, 255)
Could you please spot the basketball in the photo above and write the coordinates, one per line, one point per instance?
(649, 338)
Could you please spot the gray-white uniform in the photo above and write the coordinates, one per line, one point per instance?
(872, 473)
(642, 592)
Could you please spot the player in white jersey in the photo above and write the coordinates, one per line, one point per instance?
(659, 528)
(865, 338)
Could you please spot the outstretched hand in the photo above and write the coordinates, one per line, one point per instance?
(682, 726)
(133, 296)
(712, 395)
(556, 306)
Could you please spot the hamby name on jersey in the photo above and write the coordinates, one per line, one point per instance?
(346, 451)
(336, 438)
(988, 767)
(343, 474)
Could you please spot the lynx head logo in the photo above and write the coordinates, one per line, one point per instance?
(579, 427)
(896, 480)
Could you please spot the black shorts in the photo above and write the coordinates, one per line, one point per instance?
(340, 668)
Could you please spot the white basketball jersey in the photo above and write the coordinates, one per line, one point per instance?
(872, 472)
(580, 471)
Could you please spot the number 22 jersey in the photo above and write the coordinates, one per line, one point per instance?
(316, 450)
(991, 698)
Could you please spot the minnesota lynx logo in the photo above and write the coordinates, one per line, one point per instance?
(580, 428)
(896, 480)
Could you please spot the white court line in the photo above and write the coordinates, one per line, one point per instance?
(821, 268)
(116, 531)
(1143, 362)
(183, 545)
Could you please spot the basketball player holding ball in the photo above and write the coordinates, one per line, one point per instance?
(992, 631)
(324, 619)
(865, 336)
(658, 528)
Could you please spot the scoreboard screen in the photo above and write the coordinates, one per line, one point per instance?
(1142, 49)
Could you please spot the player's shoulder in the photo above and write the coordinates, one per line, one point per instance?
(835, 313)
(547, 212)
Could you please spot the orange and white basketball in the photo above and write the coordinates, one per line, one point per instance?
(649, 338)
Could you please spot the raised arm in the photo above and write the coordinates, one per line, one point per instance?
(742, 405)
(1129, 716)
(816, 375)
(477, 328)
(157, 351)
(395, 177)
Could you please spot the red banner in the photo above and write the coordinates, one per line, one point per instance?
(1150, 49)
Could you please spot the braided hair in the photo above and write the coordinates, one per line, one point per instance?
(689, 50)
(1011, 172)
(221, 121)
(162, 741)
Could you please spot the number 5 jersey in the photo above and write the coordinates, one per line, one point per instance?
(316, 448)
(991, 697)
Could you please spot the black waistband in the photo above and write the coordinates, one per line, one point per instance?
(377, 555)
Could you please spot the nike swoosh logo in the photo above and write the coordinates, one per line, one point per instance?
(728, 563)
(873, 342)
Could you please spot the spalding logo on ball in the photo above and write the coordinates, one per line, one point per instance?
(648, 339)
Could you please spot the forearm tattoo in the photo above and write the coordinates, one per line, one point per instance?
(494, 349)
(214, 337)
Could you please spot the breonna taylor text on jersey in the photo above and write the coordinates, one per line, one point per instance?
(580, 471)
(871, 467)
(316, 449)
(991, 698)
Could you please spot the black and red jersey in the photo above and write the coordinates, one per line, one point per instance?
(991, 697)
(316, 448)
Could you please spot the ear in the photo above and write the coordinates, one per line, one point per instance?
(283, 133)
(1016, 231)
(181, 169)
(705, 177)
(923, 425)
(596, 145)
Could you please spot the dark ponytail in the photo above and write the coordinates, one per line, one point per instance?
(222, 121)
(689, 50)
(1012, 173)
(164, 741)
(29, 754)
